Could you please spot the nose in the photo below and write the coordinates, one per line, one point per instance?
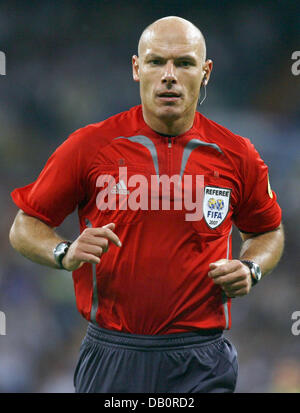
(169, 75)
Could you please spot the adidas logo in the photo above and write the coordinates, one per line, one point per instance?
(120, 188)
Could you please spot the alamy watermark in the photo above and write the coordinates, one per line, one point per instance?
(296, 65)
(296, 325)
(152, 193)
(185, 193)
(2, 64)
(2, 324)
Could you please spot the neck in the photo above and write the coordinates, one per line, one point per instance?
(172, 127)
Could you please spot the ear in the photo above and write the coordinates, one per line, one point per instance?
(135, 68)
(207, 68)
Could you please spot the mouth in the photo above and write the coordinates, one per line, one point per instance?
(169, 96)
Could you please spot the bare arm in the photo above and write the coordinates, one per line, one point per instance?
(264, 249)
(36, 240)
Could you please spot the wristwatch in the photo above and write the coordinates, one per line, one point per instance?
(60, 251)
(255, 271)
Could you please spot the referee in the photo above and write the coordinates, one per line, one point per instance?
(152, 268)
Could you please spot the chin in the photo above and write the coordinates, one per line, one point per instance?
(169, 112)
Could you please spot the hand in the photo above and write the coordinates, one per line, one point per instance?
(89, 246)
(232, 276)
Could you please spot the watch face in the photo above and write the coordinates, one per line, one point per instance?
(60, 251)
(256, 271)
(61, 248)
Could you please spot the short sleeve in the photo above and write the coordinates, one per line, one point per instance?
(58, 189)
(257, 210)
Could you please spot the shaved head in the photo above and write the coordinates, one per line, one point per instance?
(173, 30)
(171, 66)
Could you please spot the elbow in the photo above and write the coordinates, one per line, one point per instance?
(280, 234)
(14, 233)
(13, 236)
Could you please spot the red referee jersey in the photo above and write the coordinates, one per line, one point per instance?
(157, 282)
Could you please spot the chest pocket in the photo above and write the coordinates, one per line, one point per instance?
(122, 194)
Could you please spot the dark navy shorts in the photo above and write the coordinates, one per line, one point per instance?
(196, 362)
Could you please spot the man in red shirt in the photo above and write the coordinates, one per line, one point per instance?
(158, 189)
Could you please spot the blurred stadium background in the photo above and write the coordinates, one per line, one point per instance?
(68, 64)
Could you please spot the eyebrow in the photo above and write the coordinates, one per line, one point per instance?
(185, 57)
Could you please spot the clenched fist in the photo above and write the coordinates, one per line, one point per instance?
(232, 276)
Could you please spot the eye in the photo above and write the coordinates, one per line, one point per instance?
(155, 62)
(184, 63)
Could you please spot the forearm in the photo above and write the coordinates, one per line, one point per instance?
(34, 239)
(264, 249)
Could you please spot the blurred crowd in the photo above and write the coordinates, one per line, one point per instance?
(68, 65)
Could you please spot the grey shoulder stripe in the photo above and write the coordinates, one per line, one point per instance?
(190, 146)
(143, 140)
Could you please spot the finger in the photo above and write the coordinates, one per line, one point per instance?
(111, 236)
(230, 295)
(228, 279)
(221, 269)
(217, 270)
(90, 258)
(104, 244)
(111, 226)
(217, 263)
(241, 290)
(92, 249)
(94, 245)
(105, 233)
(238, 293)
(88, 240)
(236, 286)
